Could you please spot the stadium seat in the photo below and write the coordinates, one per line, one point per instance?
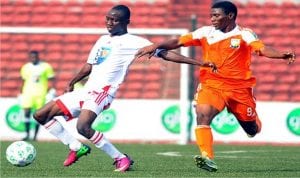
(134, 76)
(39, 8)
(7, 7)
(39, 19)
(22, 8)
(152, 86)
(132, 94)
(13, 74)
(91, 20)
(281, 97)
(282, 88)
(70, 57)
(153, 76)
(134, 86)
(151, 95)
(172, 93)
(71, 48)
(5, 55)
(17, 38)
(21, 47)
(38, 46)
(6, 20)
(288, 79)
(262, 87)
(54, 38)
(263, 96)
(295, 97)
(54, 47)
(266, 78)
(5, 46)
(55, 56)
(37, 38)
(17, 63)
(56, 19)
(68, 67)
(72, 20)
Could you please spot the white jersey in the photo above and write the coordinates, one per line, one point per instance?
(111, 57)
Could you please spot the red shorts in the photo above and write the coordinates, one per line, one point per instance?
(239, 102)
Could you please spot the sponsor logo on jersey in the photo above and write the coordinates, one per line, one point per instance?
(235, 43)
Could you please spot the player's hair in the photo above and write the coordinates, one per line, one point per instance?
(34, 52)
(124, 10)
(227, 7)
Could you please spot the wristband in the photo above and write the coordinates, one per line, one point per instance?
(158, 51)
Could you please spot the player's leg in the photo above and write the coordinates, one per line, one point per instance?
(39, 102)
(251, 124)
(209, 104)
(244, 108)
(36, 131)
(89, 112)
(47, 116)
(27, 113)
(26, 104)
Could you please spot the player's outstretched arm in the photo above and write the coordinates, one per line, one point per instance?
(150, 50)
(275, 54)
(178, 58)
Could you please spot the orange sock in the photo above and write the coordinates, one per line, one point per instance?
(204, 139)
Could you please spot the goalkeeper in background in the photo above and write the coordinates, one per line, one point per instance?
(38, 79)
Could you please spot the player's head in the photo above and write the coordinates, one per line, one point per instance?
(117, 20)
(34, 56)
(223, 13)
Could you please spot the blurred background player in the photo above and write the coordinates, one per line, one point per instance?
(38, 79)
(229, 47)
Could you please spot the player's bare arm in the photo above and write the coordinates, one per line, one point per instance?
(178, 58)
(275, 54)
(84, 72)
(150, 50)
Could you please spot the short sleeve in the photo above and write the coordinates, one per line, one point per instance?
(193, 38)
(23, 72)
(256, 45)
(252, 39)
(49, 71)
(93, 53)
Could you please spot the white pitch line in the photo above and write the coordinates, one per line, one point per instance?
(232, 152)
(169, 153)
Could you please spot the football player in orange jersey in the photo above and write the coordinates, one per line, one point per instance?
(229, 47)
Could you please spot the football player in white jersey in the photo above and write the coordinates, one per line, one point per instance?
(106, 67)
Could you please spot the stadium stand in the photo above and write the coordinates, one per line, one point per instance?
(277, 24)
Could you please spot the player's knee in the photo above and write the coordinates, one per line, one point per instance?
(252, 132)
(204, 119)
(41, 116)
(38, 116)
(83, 129)
(251, 128)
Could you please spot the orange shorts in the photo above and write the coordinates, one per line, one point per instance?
(240, 102)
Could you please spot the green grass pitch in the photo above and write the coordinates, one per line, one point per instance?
(160, 160)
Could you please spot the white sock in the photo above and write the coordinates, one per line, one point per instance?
(101, 142)
(56, 129)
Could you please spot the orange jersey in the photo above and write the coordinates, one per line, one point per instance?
(231, 52)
